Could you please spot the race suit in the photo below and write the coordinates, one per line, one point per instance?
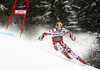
(59, 45)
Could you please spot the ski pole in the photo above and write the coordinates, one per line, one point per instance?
(80, 44)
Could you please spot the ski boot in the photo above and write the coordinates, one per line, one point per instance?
(86, 63)
(82, 61)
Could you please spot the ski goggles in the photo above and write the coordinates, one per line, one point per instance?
(58, 27)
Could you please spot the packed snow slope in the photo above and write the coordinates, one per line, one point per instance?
(18, 54)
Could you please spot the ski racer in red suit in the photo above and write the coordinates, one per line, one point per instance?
(57, 39)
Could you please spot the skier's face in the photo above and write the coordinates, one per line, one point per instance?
(59, 29)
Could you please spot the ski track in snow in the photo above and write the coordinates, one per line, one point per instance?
(18, 54)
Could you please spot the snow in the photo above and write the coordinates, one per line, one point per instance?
(93, 4)
(46, 14)
(73, 23)
(76, 6)
(66, 2)
(46, 6)
(74, 26)
(2, 7)
(19, 54)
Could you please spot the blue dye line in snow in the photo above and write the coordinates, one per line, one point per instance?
(8, 34)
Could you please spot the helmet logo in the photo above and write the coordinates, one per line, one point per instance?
(59, 24)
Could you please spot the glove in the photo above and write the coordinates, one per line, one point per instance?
(40, 38)
(72, 38)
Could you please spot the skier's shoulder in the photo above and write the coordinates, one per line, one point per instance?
(51, 30)
(64, 29)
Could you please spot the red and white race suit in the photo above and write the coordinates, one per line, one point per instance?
(59, 45)
(57, 36)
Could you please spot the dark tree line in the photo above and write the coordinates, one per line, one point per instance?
(85, 13)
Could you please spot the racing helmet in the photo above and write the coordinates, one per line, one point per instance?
(59, 24)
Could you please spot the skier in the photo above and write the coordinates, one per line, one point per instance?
(57, 39)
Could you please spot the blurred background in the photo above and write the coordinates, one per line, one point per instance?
(76, 15)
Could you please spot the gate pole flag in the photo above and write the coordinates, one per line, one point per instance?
(11, 14)
(20, 9)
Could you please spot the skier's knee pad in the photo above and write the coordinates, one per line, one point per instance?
(58, 47)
